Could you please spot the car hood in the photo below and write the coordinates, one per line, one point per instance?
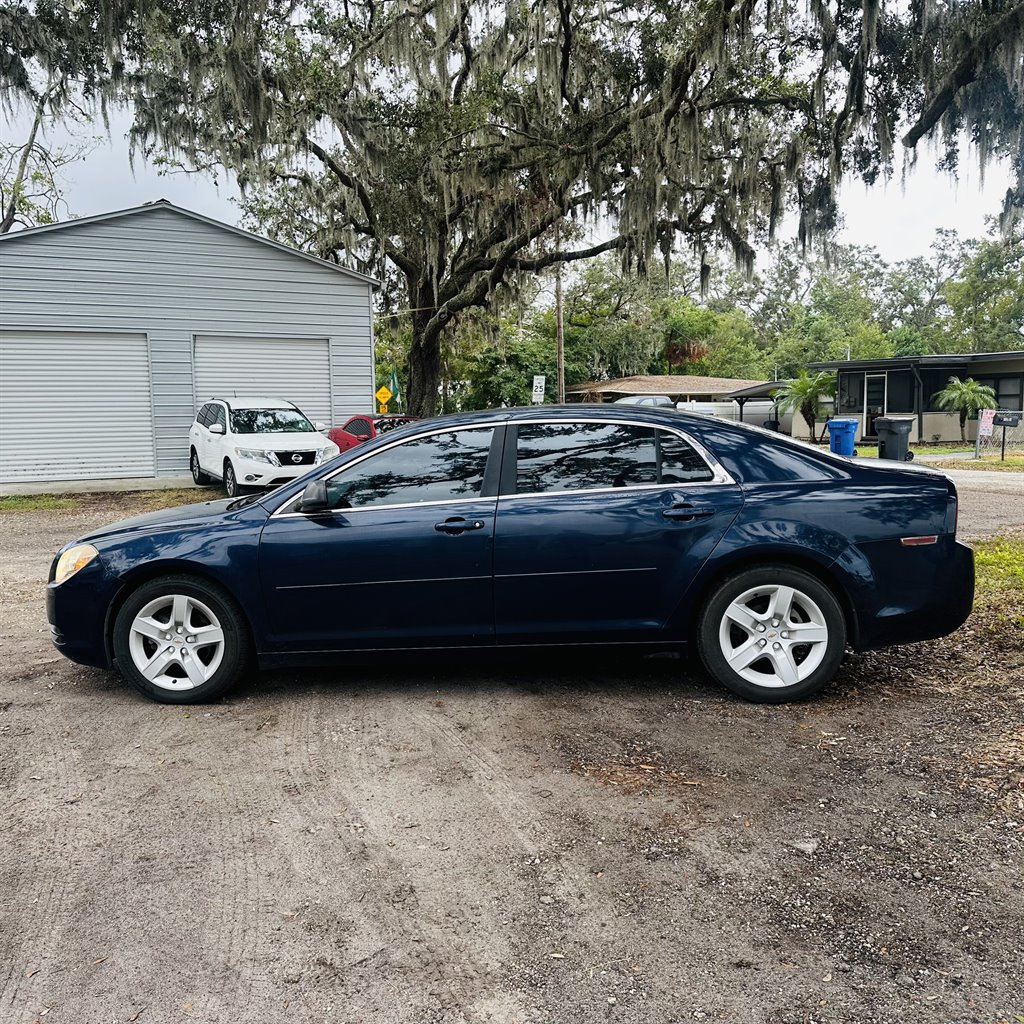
(307, 440)
(181, 515)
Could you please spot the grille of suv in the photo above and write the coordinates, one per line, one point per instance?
(288, 458)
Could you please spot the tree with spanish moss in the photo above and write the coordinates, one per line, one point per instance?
(453, 147)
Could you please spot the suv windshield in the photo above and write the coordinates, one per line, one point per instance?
(269, 421)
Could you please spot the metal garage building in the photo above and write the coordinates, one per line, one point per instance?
(114, 329)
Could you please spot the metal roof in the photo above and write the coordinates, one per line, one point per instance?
(661, 384)
(164, 204)
(904, 362)
(765, 390)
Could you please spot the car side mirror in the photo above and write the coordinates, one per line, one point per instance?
(320, 426)
(314, 497)
(217, 428)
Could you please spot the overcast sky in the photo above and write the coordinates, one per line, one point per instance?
(899, 218)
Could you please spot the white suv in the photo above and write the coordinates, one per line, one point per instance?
(254, 442)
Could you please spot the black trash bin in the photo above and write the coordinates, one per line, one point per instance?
(894, 437)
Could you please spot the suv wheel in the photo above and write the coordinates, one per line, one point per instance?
(231, 481)
(200, 478)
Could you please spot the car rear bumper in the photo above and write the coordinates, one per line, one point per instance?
(914, 593)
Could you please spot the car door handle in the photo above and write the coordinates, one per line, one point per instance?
(457, 525)
(687, 512)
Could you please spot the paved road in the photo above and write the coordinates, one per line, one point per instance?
(990, 502)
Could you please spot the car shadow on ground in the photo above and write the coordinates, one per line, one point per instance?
(541, 673)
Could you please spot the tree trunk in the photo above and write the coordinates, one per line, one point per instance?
(963, 425)
(9, 214)
(809, 418)
(424, 363)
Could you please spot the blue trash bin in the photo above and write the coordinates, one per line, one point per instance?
(842, 435)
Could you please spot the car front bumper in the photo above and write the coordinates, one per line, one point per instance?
(250, 473)
(77, 613)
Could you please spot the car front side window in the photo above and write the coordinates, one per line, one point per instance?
(439, 467)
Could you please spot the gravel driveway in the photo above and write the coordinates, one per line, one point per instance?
(573, 840)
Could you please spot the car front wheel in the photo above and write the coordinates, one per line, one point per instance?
(200, 478)
(231, 481)
(772, 634)
(180, 640)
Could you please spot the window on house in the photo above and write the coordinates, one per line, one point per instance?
(1010, 392)
(900, 396)
(851, 392)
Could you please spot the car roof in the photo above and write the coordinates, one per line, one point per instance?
(253, 402)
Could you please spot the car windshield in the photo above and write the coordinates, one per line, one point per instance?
(269, 421)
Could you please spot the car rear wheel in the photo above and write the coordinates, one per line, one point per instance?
(180, 640)
(200, 478)
(772, 634)
(231, 481)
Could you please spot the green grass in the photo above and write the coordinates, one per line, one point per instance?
(870, 451)
(1013, 464)
(999, 564)
(36, 503)
(126, 502)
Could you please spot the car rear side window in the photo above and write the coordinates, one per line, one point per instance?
(679, 462)
(585, 456)
(440, 467)
(359, 428)
(203, 416)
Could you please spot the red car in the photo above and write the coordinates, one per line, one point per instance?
(358, 429)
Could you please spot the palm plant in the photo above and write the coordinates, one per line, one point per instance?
(805, 393)
(966, 397)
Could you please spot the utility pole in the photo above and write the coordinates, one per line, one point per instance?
(559, 325)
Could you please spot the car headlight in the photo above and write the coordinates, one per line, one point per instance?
(257, 455)
(324, 454)
(72, 560)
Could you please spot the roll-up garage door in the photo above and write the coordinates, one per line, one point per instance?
(295, 369)
(74, 406)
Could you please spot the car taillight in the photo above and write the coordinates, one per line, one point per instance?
(952, 508)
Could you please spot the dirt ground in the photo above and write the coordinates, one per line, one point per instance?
(581, 840)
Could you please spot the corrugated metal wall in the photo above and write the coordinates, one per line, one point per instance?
(170, 278)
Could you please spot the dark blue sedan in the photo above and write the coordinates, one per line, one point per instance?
(547, 526)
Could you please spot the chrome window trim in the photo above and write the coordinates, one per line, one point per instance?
(492, 426)
(720, 476)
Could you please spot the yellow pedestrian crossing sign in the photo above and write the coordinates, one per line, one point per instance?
(383, 394)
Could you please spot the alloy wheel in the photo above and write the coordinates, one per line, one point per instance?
(176, 642)
(773, 636)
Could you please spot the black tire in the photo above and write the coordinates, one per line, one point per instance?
(812, 601)
(231, 486)
(235, 654)
(198, 476)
